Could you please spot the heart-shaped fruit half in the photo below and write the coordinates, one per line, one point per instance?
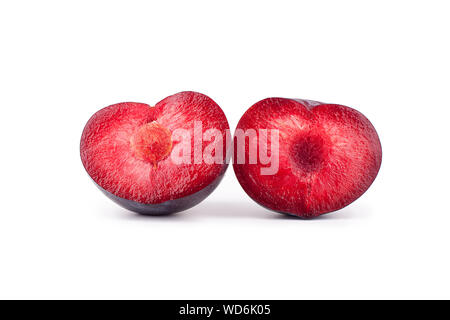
(157, 160)
(305, 158)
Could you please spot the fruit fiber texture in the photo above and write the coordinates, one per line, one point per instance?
(126, 149)
(328, 155)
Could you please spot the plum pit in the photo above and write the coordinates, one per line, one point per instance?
(152, 142)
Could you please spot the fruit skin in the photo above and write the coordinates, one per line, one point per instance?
(167, 207)
(112, 150)
(329, 155)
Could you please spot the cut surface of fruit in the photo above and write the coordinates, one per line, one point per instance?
(127, 149)
(328, 155)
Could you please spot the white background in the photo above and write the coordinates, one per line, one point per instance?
(61, 61)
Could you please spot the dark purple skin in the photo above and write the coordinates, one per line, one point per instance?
(167, 207)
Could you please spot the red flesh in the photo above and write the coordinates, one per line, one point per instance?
(112, 148)
(329, 155)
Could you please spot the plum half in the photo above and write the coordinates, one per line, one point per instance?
(305, 158)
(157, 160)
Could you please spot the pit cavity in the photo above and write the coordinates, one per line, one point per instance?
(152, 142)
(308, 152)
